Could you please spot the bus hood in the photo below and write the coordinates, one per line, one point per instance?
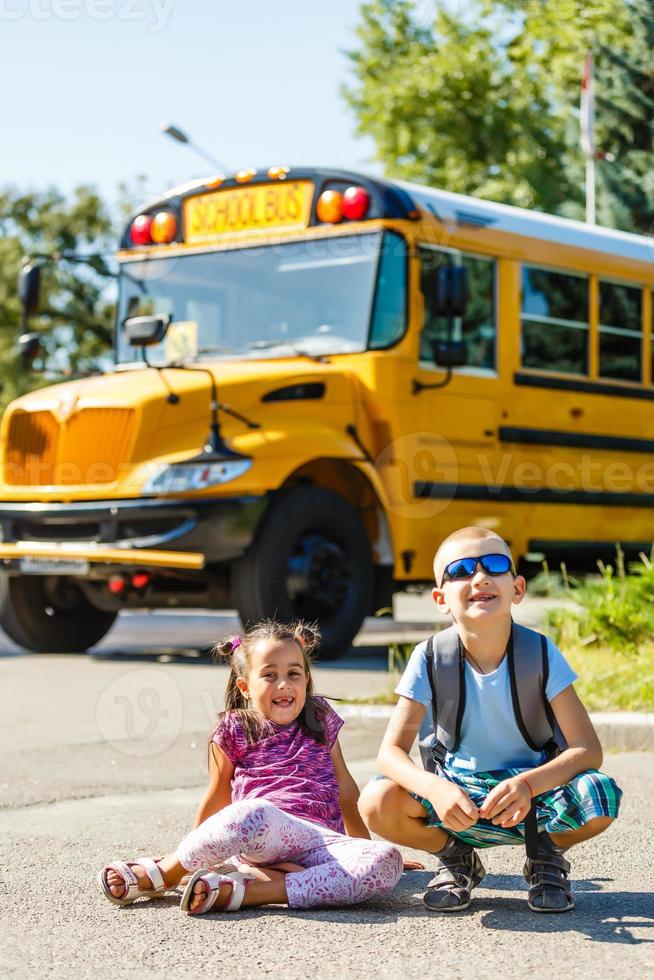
(96, 437)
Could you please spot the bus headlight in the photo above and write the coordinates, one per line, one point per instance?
(182, 477)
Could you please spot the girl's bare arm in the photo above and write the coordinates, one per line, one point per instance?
(219, 791)
(348, 795)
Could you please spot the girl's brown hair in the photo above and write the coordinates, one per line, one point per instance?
(238, 652)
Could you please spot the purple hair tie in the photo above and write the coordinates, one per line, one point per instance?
(236, 642)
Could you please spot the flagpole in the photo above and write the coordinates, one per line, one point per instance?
(587, 135)
(590, 190)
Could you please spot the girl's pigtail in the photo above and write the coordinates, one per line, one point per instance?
(225, 648)
(235, 700)
(307, 635)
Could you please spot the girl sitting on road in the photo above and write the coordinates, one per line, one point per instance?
(279, 791)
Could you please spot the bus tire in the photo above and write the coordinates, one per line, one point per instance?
(310, 559)
(49, 614)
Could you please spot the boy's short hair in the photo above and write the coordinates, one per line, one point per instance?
(466, 533)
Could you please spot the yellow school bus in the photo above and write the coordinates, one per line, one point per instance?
(318, 375)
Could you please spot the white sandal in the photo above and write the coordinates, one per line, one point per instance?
(213, 882)
(124, 869)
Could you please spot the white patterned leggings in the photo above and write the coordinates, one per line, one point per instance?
(339, 870)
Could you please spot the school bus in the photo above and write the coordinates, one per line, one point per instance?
(318, 375)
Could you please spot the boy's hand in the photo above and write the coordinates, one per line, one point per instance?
(454, 807)
(508, 804)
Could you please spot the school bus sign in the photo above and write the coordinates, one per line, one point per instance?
(244, 210)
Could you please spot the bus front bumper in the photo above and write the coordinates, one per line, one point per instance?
(158, 533)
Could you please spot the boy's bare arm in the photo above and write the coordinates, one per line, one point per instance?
(508, 803)
(584, 750)
(219, 791)
(452, 804)
(393, 758)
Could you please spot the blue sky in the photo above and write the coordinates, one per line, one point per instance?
(87, 84)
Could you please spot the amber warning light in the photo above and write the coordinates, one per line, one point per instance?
(351, 204)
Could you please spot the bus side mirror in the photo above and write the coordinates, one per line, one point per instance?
(29, 287)
(29, 347)
(450, 353)
(145, 331)
(450, 296)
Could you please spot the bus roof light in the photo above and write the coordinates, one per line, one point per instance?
(245, 176)
(277, 173)
(164, 227)
(330, 207)
(141, 230)
(356, 201)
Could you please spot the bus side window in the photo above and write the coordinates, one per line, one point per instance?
(478, 326)
(620, 331)
(554, 320)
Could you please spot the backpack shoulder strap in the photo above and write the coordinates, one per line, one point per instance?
(448, 688)
(445, 670)
(528, 671)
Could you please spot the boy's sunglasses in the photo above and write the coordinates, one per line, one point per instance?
(464, 568)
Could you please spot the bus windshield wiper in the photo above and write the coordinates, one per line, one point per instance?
(215, 350)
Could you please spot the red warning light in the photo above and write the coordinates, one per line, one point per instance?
(141, 230)
(356, 201)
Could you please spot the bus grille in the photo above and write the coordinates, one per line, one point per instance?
(88, 448)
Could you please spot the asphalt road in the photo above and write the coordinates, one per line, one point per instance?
(103, 757)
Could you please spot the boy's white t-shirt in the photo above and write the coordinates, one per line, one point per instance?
(490, 737)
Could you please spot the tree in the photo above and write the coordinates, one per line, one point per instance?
(76, 312)
(625, 126)
(482, 101)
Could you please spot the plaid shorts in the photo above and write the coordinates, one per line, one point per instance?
(568, 807)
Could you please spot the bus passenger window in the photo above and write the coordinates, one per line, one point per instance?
(620, 331)
(389, 315)
(478, 326)
(554, 321)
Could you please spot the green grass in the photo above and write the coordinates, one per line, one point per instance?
(614, 682)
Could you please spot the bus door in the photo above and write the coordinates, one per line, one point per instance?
(456, 422)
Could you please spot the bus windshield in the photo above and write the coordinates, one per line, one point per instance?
(310, 297)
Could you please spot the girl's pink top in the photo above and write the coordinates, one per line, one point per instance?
(286, 766)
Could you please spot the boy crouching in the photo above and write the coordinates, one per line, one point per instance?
(514, 755)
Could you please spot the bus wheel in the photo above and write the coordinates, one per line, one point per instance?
(49, 614)
(310, 560)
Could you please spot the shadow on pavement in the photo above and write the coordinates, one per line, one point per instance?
(605, 917)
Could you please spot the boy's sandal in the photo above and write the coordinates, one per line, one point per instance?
(549, 888)
(213, 882)
(460, 870)
(124, 869)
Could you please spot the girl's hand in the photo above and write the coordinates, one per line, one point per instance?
(413, 866)
(454, 807)
(508, 804)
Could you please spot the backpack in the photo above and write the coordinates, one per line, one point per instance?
(528, 672)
